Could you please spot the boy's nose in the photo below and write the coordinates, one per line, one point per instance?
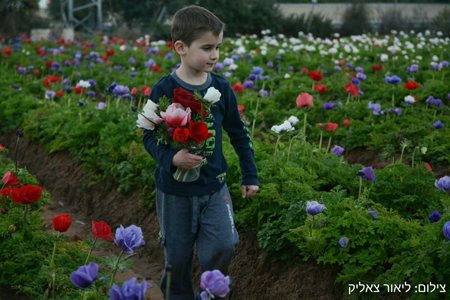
(214, 55)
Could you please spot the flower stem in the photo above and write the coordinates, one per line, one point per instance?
(320, 142)
(115, 270)
(329, 143)
(360, 186)
(254, 118)
(90, 251)
(25, 214)
(169, 275)
(348, 99)
(312, 224)
(289, 150)
(393, 96)
(414, 152)
(304, 124)
(16, 151)
(275, 154)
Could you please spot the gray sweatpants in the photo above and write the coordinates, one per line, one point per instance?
(186, 220)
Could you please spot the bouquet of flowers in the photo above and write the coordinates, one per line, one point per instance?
(180, 123)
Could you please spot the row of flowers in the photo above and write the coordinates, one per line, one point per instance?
(213, 283)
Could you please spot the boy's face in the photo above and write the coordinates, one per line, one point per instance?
(203, 54)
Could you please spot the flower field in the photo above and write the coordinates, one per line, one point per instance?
(308, 102)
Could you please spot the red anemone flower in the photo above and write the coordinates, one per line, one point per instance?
(304, 99)
(411, 85)
(9, 179)
(346, 122)
(315, 75)
(331, 127)
(320, 88)
(199, 132)
(26, 194)
(61, 223)
(352, 89)
(101, 230)
(238, 87)
(377, 68)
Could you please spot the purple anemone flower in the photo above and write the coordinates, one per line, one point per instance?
(375, 107)
(394, 79)
(92, 82)
(270, 64)
(129, 290)
(328, 105)
(130, 238)
(413, 69)
(361, 76)
(120, 90)
(338, 150)
(355, 81)
(248, 84)
(252, 77)
(446, 230)
(101, 105)
(359, 69)
(49, 95)
(22, 70)
(444, 64)
(435, 66)
(438, 124)
(437, 102)
(112, 87)
(15, 86)
(132, 60)
(430, 100)
(337, 68)
(85, 275)
(91, 94)
(313, 207)
(443, 183)
(343, 242)
(373, 213)
(434, 217)
(367, 173)
(214, 284)
(219, 66)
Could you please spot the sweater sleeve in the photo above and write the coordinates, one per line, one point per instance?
(240, 139)
(162, 154)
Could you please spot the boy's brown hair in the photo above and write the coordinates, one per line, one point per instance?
(190, 22)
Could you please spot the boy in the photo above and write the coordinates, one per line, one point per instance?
(201, 211)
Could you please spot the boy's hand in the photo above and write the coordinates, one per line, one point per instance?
(249, 190)
(183, 159)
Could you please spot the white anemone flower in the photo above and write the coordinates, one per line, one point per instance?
(410, 99)
(84, 84)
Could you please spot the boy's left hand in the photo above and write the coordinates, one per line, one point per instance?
(249, 190)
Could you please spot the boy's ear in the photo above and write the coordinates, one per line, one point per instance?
(180, 48)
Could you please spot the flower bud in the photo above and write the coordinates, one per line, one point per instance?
(12, 228)
(3, 211)
(19, 132)
(134, 108)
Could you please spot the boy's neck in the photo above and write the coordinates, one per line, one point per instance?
(190, 76)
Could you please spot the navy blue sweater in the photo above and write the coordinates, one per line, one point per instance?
(223, 114)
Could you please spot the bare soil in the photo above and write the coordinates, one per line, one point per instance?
(253, 273)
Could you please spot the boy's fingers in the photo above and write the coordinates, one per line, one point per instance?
(244, 191)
